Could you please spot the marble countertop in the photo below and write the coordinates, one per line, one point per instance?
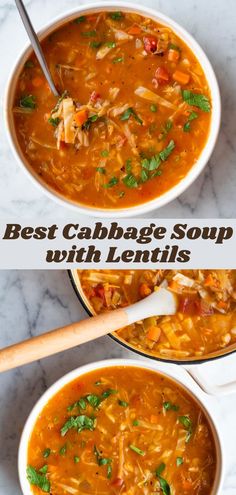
(213, 25)
(32, 302)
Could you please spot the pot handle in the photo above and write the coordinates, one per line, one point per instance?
(200, 378)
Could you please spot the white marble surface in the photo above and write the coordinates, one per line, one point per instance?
(212, 22)
(32, 302)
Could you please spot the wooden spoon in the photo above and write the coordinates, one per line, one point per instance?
(160, 302)
(36, 45)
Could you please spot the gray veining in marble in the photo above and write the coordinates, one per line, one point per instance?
(32, 302)
(213, 25)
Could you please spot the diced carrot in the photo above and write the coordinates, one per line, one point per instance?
(81, 116)
(37, 82)
(173, 55)
(154, 419)
(162, 75)
(144, 290)
(181, 77)
(154, 333)
(134, 30)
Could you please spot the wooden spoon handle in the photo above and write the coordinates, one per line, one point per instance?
(61, 339)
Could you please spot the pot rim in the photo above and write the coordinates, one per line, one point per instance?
(193, 173)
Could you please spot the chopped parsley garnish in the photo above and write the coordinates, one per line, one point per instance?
(137, 450)
(111, 44)
(44, 469)
(104, 153)
(76, 459)
(101, 170)
(130, 112)
(187, 126)
(135, 422)
(118, 60)
(89, 34)
(29, 64)
(63, 450)
(54, 122)
(116, 16)
(166, 129)
(188, 425)
(123, 403)
(179, 461)
(112, 182)
(169, 406)
(103, 461)
(93, 400)
(80, 19)
(36, 478)
(164, 154)
(46, 453)
(130, 181)
(64, 95)
(28, 101)
(165, 487)
(172, 46)
(144, 175)
(89, 121)
(95, 44)
(151, 163)
(108, 392)
(128, 165)
(78, 423)
(153, 108)
(196, 100)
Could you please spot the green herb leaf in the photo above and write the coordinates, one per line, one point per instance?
(111, 44)
(130, 112)
(165, 487)
(78, 423)
(116, 16)
(130, 181)
(89, 34)
(64, 95)
(103, 461)
(153, 108)
(37, 479)
(169, 406)
(95, 44)
(172, 46)
(28, 101)
(80, 19)
(44, 469)
(112, 182)
(144, 175)
(187, 127)
(135, 422)
(108, 392)
(137, 450)
(87, 124)
(104, 153)
(123, 403)
(188, 425)
(54, 122)
(118, 60)
(196, 100)
(76, 459)
(101, 170)
(63, 449)
(93, 400)
(193, 116)
(166, 129)
(29, 64)
(151, 163)
(164, 154)
(46, 453)
(179, 461)
(128, 165)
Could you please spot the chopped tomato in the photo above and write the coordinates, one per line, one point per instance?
(162, 75)
(135, 30)
(195, 306)
(117, 483)
(150, 44)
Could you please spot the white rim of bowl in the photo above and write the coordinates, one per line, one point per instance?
(196, 169)
(76, 373)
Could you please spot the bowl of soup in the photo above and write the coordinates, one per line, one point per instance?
(138, 115)
(203, 328)
(111, 426)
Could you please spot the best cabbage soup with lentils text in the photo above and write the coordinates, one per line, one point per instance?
(121, 430)
(133, 116)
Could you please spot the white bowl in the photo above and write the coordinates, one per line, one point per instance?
(29, 425)
(196, 168)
